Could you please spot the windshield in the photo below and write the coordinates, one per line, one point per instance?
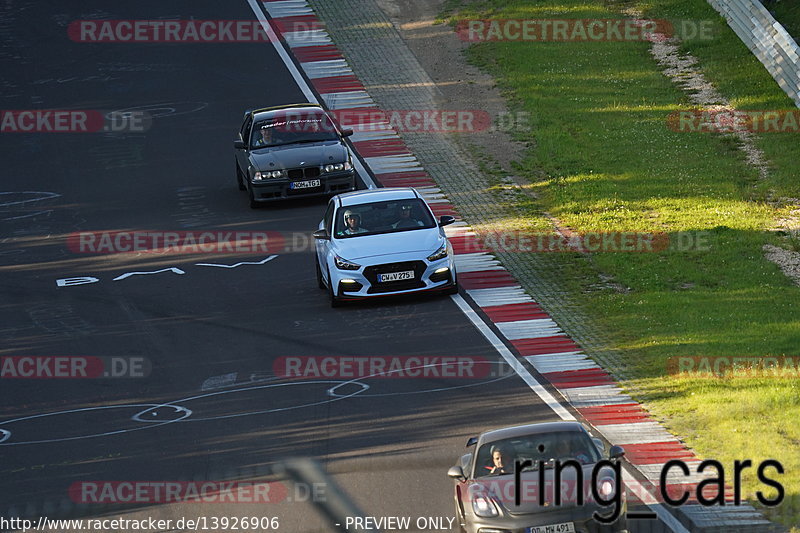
(499, 457)
(382, 217)
(290, 128)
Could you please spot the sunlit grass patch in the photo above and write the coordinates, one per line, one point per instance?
(605, 157)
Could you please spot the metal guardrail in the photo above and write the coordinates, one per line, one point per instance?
(767, 39)
(337, 506)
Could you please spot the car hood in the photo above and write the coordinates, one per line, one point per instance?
(298, 155)
(424, 241)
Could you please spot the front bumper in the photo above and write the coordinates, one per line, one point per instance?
(364, 282)
(280, 189)
(582, 525)
(581, 518)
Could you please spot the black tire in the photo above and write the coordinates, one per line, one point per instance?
(453, 289)
(320, 281)
(253, 203)
(335, 301)
(459, 520)
(239, 179)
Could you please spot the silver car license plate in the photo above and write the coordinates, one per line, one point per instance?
(565, 527)
(304, 184)
(396, 276)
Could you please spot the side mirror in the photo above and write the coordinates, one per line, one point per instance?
(616, 452)
(321, 234)
(456, 473)
(445, 220)
(238, 144)
(347, 132)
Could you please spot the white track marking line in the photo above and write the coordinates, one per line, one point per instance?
(262, 262)
(665, 516)
(493, 339)
(511, 360)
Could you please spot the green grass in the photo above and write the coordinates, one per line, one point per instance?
(740, 77)
(604, 159)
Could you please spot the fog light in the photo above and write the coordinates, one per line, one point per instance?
(349, 285)
(440, 274)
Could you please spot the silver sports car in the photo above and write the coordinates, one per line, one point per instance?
(539, 478)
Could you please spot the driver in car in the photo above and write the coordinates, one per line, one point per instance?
(405, 220)
(352, 222)
(498, 465)
(264, 139)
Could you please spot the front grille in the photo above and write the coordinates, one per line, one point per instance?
(303, 173)
(371, 273)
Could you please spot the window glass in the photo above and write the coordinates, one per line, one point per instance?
(382, 217)
(246, 127)
(328, 217)
(543, 448)
(289, 128)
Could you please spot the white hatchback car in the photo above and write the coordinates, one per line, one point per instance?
(383, 242)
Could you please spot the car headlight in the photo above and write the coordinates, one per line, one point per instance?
(606, 488)
(269, 174)
(484, 507)
(441, 253)
(337, 167)
(344, 264)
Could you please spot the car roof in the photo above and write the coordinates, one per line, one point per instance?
(529, 429)
(377, 195)
(269, 112)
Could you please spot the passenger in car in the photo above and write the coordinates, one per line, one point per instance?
(563, 451)
(404, 218)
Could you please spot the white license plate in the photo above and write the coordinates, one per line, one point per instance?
(396, 276)
(304, 184)
(566, 527)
